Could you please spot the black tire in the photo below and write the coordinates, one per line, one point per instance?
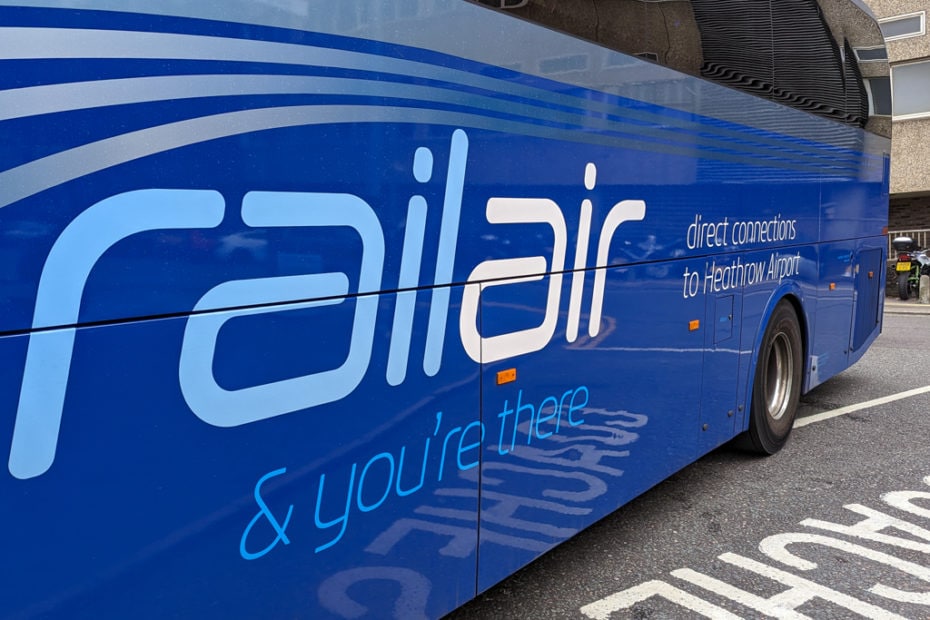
(777, 385)
(904, 288)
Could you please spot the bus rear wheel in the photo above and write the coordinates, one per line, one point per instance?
(777, 385)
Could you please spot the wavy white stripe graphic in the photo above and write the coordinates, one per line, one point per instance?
(41, 174)
(67, 43)
(21, 43)
(36, 176)
(47, 99)
(53, 98)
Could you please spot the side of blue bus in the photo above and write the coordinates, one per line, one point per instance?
(316, 310)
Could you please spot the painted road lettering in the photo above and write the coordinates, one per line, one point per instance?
(874, 528)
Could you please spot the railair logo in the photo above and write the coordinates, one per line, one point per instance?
(94, 231)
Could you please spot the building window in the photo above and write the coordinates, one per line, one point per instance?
(871, 54)
(911, 87)
(903, 26)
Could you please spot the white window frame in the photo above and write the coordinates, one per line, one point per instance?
(914, 115)
(923, 24)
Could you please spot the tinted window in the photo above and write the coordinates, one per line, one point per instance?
(791, 51)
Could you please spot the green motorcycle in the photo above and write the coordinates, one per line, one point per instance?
(911, 264)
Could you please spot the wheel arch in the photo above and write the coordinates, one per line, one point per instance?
(791, 293)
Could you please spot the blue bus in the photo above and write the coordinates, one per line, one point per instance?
(352, 308)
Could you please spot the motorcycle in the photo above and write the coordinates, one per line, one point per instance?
(911, 264)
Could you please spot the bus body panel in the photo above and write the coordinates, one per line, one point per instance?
(588, 423)
(266, 277)
(145, 499)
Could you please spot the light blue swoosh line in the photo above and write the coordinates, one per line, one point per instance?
(36, 176)
(47, 99)
(60, 43)
(54, 43)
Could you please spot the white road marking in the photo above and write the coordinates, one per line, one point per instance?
(826, 415)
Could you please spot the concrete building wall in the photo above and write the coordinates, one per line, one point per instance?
(910, 151)
(910, 157)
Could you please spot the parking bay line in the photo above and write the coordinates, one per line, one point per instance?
(826, 415)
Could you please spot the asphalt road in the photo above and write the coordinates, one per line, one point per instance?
(770, 537)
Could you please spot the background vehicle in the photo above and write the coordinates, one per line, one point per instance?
(328, 309)
(911, 264)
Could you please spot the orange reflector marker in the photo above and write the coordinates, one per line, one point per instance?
(507, 376)
(694, 326)
(833, 286)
